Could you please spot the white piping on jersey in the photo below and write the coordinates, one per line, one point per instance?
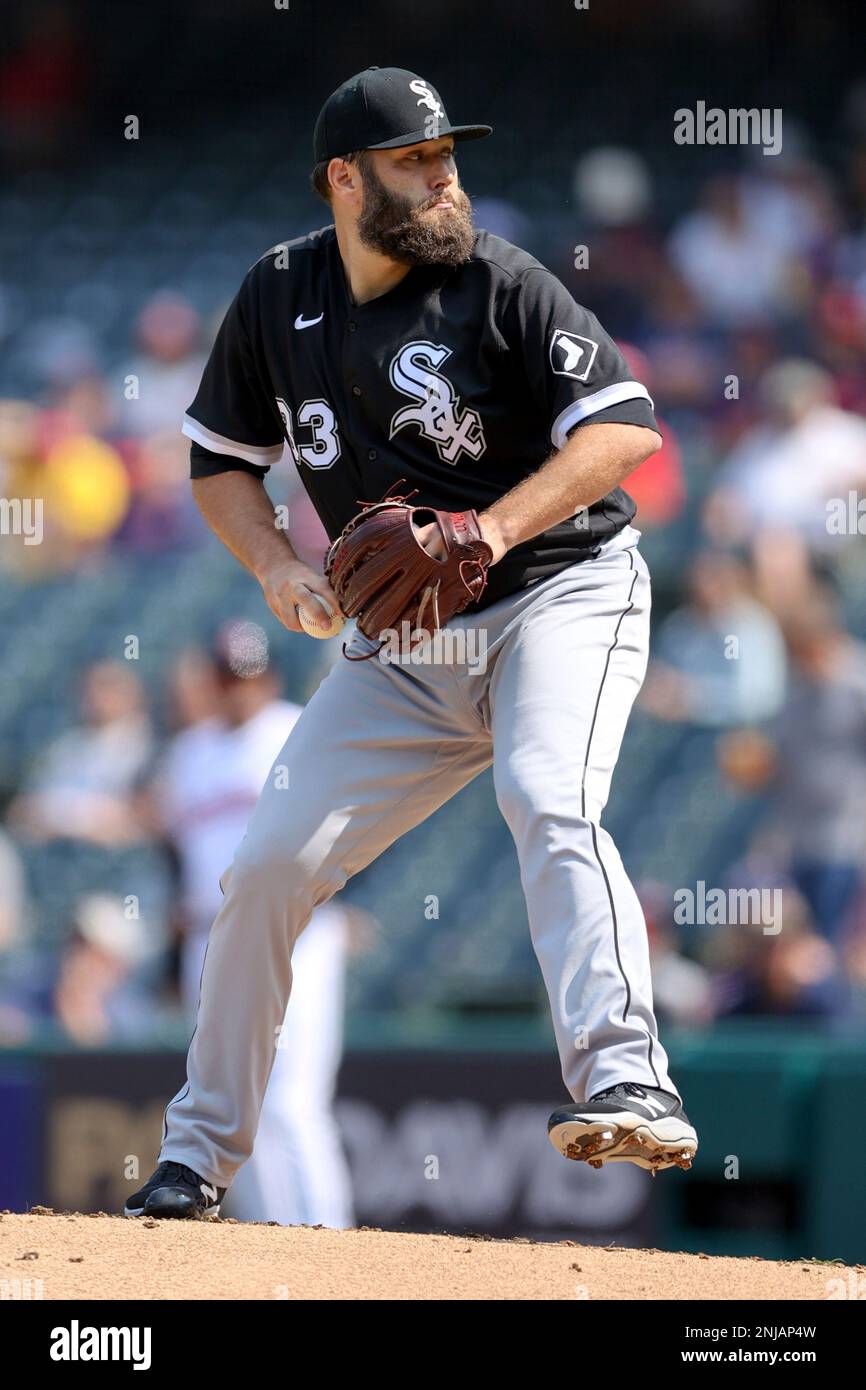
(261, 456)
(590, 405)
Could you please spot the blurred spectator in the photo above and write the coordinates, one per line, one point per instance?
(79, 406)
(793, 974)
(93, 960)
(76, 484)
(682, 988)
(720, 659)
(730, 258)
(612, 258)
(162, 513)
(687, 363)
(82, 788)
(157, 386)
(85, 487)
(100, 985)
(104, 992)
(792, 203)
(58, 351)
(193, 690)
(840, 331)
(781, 475)
(19, 433)
(502, 218)
(813, 760)
(613, 186)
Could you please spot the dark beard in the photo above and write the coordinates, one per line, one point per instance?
(397, 228)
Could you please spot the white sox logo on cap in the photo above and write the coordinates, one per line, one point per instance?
(572, 355)
(426, 97)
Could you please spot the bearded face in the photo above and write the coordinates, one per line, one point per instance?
(412, 233)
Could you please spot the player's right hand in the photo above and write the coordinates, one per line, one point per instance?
(292, 582)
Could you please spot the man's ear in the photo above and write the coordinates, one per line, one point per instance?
(345, 177)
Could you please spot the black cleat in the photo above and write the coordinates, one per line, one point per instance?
(176, 1191)
(626, 1124)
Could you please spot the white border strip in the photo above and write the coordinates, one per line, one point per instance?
(589, 405)
(261, 456)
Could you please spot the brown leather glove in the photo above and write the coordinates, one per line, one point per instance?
(383, 576)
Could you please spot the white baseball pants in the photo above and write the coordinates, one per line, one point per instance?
(377, 749)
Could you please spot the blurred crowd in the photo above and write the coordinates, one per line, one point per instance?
(103, 451)
(93, 795)
(744, 312)
(134, 813)
(792, 732)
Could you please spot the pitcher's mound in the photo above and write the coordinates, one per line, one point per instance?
(55, 1256)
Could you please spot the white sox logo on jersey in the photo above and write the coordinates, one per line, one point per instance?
(437, 414)
(571, 355)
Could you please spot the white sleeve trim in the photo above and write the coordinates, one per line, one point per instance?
(261, 456)
(590, 405)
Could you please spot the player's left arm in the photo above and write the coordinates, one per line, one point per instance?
(599, 419)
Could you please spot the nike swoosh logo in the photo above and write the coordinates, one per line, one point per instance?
(301, 322)
(209, 1192)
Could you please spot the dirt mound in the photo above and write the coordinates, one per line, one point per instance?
(74, 1256)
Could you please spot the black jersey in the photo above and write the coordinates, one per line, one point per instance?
(460, 380)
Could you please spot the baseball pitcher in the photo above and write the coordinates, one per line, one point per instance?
(462, 428)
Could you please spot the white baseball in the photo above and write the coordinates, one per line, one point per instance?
(314, 622)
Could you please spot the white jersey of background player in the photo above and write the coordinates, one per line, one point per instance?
(208, 785)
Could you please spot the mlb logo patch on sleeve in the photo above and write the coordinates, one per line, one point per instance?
(571, 355)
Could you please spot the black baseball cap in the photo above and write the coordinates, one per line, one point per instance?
(381, 109)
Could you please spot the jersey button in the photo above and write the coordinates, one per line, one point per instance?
(371, 454)
(352, 326)
(356, 390)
